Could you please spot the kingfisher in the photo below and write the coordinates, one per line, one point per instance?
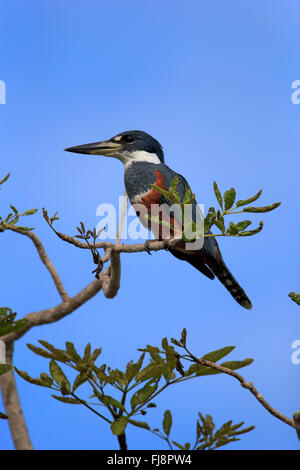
(144, 165)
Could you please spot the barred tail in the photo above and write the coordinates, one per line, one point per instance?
(212, 266)
(231, 284)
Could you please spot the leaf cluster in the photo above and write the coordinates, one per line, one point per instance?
(8, 322)
(13, 217)
(227, 206)
(207, 437)
(125, 395)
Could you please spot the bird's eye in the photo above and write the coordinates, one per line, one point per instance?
(128, 139)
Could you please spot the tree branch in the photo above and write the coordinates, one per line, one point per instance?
(12, 406)
(108, 280)
(248, 385)
(44, 258)
(122, 441)
(111, 282)
(153, 245)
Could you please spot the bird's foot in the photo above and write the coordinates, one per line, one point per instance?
(146, 245)
(166, 245)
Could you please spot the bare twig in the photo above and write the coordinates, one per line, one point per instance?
(44, 258)
(248, 385)
(154, 245)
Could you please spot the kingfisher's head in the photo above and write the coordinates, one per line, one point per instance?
(129, 147)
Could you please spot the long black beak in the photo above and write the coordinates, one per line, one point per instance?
(106, 147)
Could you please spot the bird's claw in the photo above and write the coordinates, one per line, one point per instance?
(166, 245)
(146, 245)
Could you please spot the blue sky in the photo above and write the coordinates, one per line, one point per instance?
(212, 82)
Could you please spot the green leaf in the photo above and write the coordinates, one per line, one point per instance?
(183, 337)
(218, 195)
(119, 425)
(30, 212)
(229, 198)
(249, 200)
(59, 354)
(163, 192)
(37, 381)
(167, 422)
(295, 297)
(142, 395)
(172, 360)
(133, 368)
(232, 229)
(102, 376)
(215, 356)
(157, 220)
(40, 351)
(198, 430)
(201, 370)
(95, 354)
(65, 387)
(252, 232)
(207, 424)
(139, 424)
(243, 224)
(13, 208)
(71, 350)
(233, 365)
(174, 183)
(209, 219)
(152, 370)
(108, 400)
(5, 178)
(69, 400)
(58, 375)
(188, 196)
(178, 445)
(6, 328)
(80, 379)
(175, 196)
(46, 379)
(87, 353)
(219, 222)
(269, 208)
(242, 431)
(164, 344)
(24, 375)
(118, 377)
(176, 342)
